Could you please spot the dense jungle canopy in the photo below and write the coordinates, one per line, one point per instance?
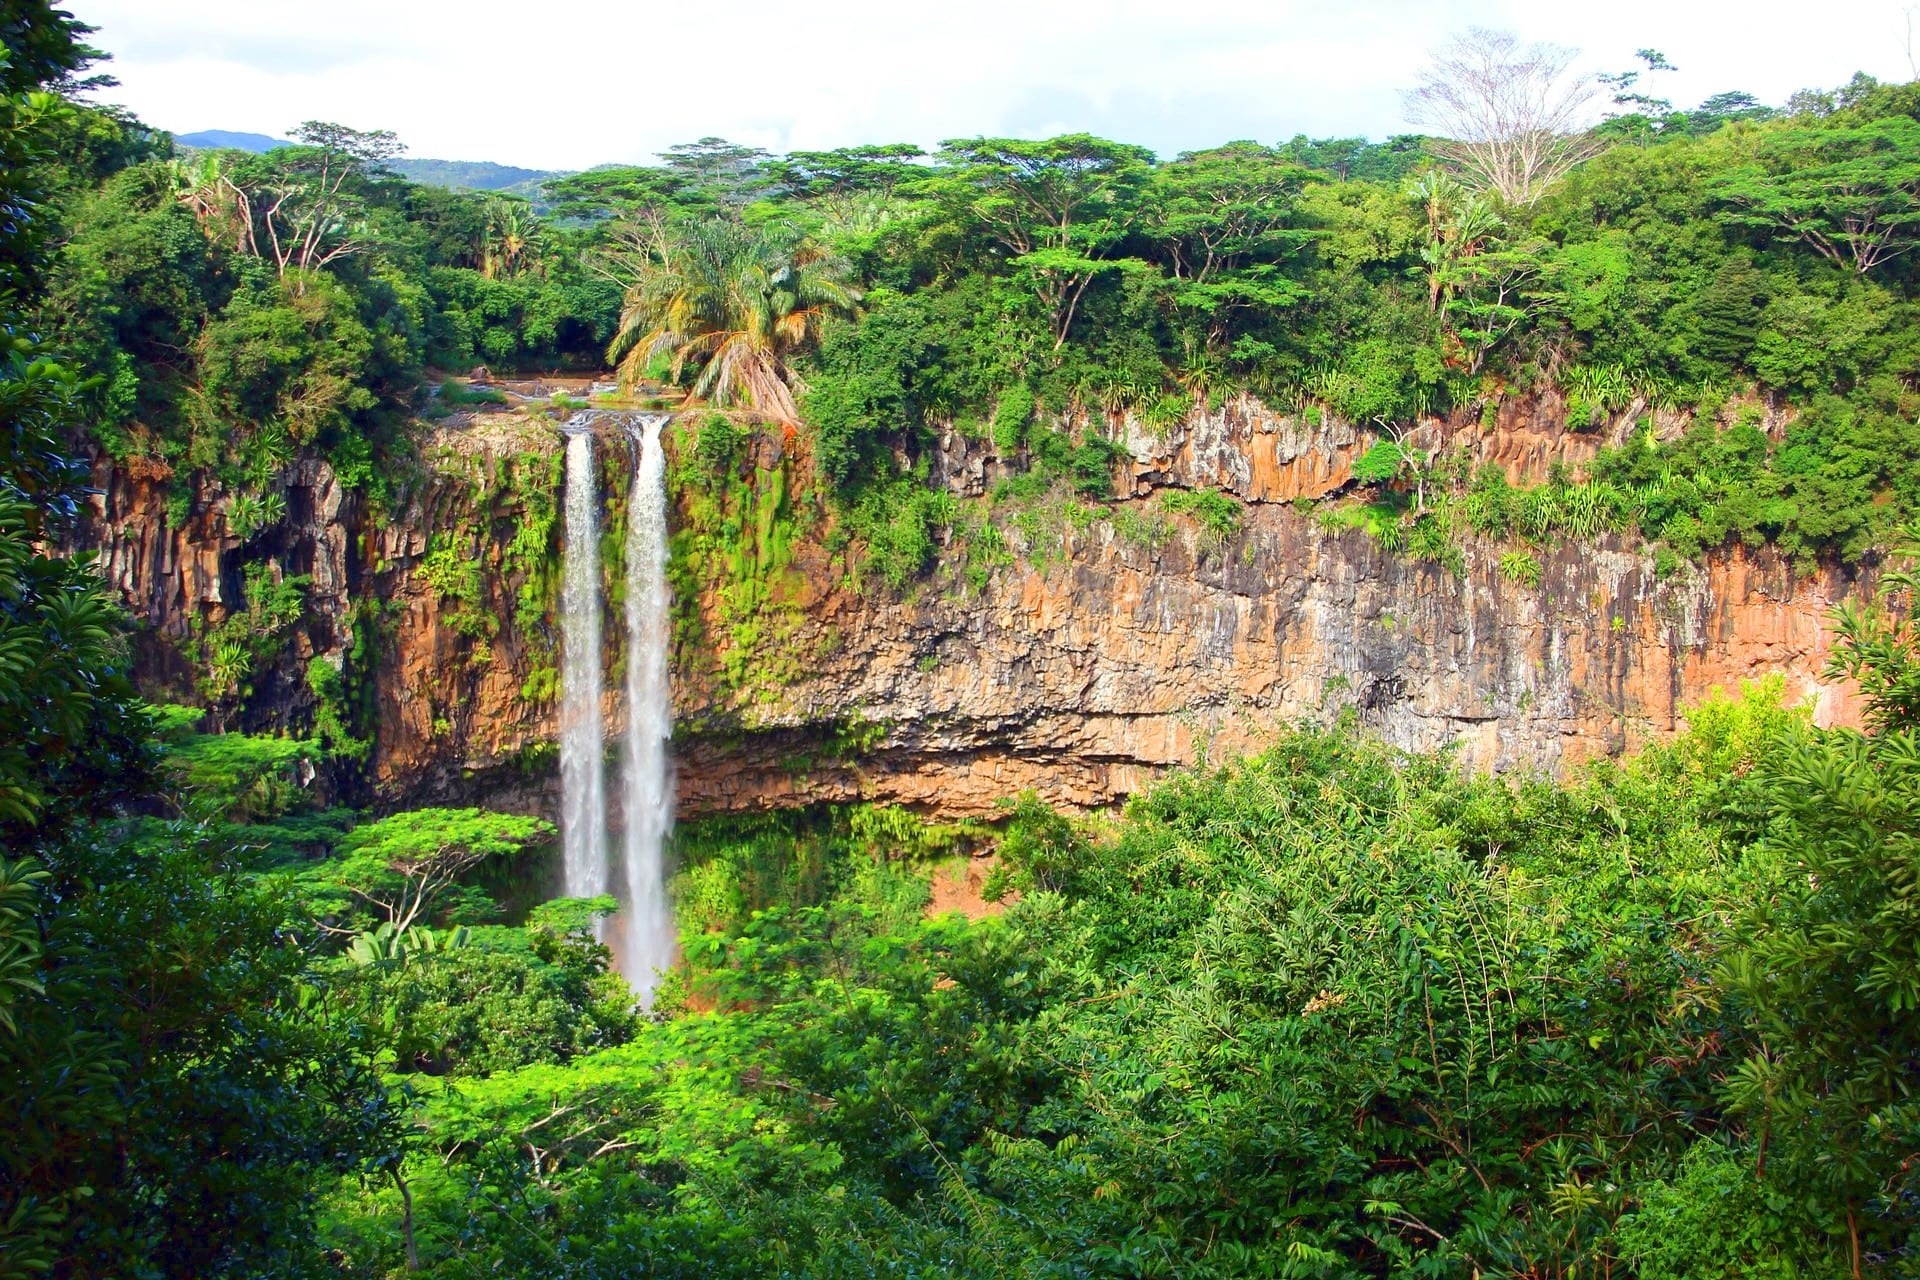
(1331, 1010)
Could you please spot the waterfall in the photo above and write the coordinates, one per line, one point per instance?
(583, 787)
(643, 935)
(647, 935)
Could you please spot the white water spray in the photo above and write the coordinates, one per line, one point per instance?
(583, 787)
(647, 933)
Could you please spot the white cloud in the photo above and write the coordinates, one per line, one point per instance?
(570, 83)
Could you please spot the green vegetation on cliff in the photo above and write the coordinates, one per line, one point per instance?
(1331, 1010)
(1732, 262)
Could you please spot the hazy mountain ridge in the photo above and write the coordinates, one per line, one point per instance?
(472, 175)
(237, 140)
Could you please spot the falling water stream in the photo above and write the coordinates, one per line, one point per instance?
(647, 935)
(642, 935)
(583, 786)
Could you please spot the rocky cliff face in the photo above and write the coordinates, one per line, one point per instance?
(1078, 667)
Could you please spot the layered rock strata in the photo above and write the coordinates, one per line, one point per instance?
(1078, 673)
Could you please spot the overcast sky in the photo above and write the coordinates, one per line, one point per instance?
(572, 83)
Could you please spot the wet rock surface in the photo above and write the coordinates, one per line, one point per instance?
(1079, 679)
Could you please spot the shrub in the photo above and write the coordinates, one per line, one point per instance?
(1218, 514)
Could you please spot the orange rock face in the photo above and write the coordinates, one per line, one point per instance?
(1080, 679)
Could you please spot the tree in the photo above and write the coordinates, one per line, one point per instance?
(1852, 194)
(1055, 209)
(20, 949)
(737, 299)
(1357, 159)
(72, 734)
(620, 191)
(1479, 287)
(846, 171)
(1223, 218)
(1513, 118)
(404, 867)
(512, 240)
(1827, 962)
(174, 1091)
(1623, 85)
(732, 173)
(306, 200)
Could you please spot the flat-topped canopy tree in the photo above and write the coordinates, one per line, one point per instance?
(618, 191)
(1851, 194)
(404, 867)
(1223, 218)
(874, 169)
(733, 173)
(1056, 209)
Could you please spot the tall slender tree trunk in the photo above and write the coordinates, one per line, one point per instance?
(406, 1220)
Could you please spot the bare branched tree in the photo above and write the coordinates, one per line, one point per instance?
(1512, 118)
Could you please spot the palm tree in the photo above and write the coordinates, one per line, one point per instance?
(512, 240)
(735, 299)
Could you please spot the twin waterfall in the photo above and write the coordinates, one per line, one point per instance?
(642, 935)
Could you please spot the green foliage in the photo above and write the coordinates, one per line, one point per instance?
(1415, 1007)
(415, 866)
(229, 652)
(1085, 464)
(180, 1087)
(176, 1086)
(453, 574)
(899, 522)
(1716, 1221)
(1850, 192)
(485, 1007)
(461, 394)
(1520, 567)
(1823, 965)
(237, 776)
(332, 713)
(870, 857)
(1056, 210)
(1331, 1009)
(20, 948)
(530, 485)
(562, 317)
(732, 555)
(1011, 413)
(1382, 463)
(737, 299)
(1218, 514)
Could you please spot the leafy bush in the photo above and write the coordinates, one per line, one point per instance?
(899, 522)
(461, 394)
(483, 1008)
(1218, 514)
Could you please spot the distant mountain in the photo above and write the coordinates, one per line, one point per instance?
(228, 138)
(470, 175)
(473, 175)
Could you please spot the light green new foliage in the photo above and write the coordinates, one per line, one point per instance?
(410, 866)
(1218, 514)
(1713, 1220)
(451, 570)
(231, 651)
(1520, 567)
(732, 547)
(240, 777)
